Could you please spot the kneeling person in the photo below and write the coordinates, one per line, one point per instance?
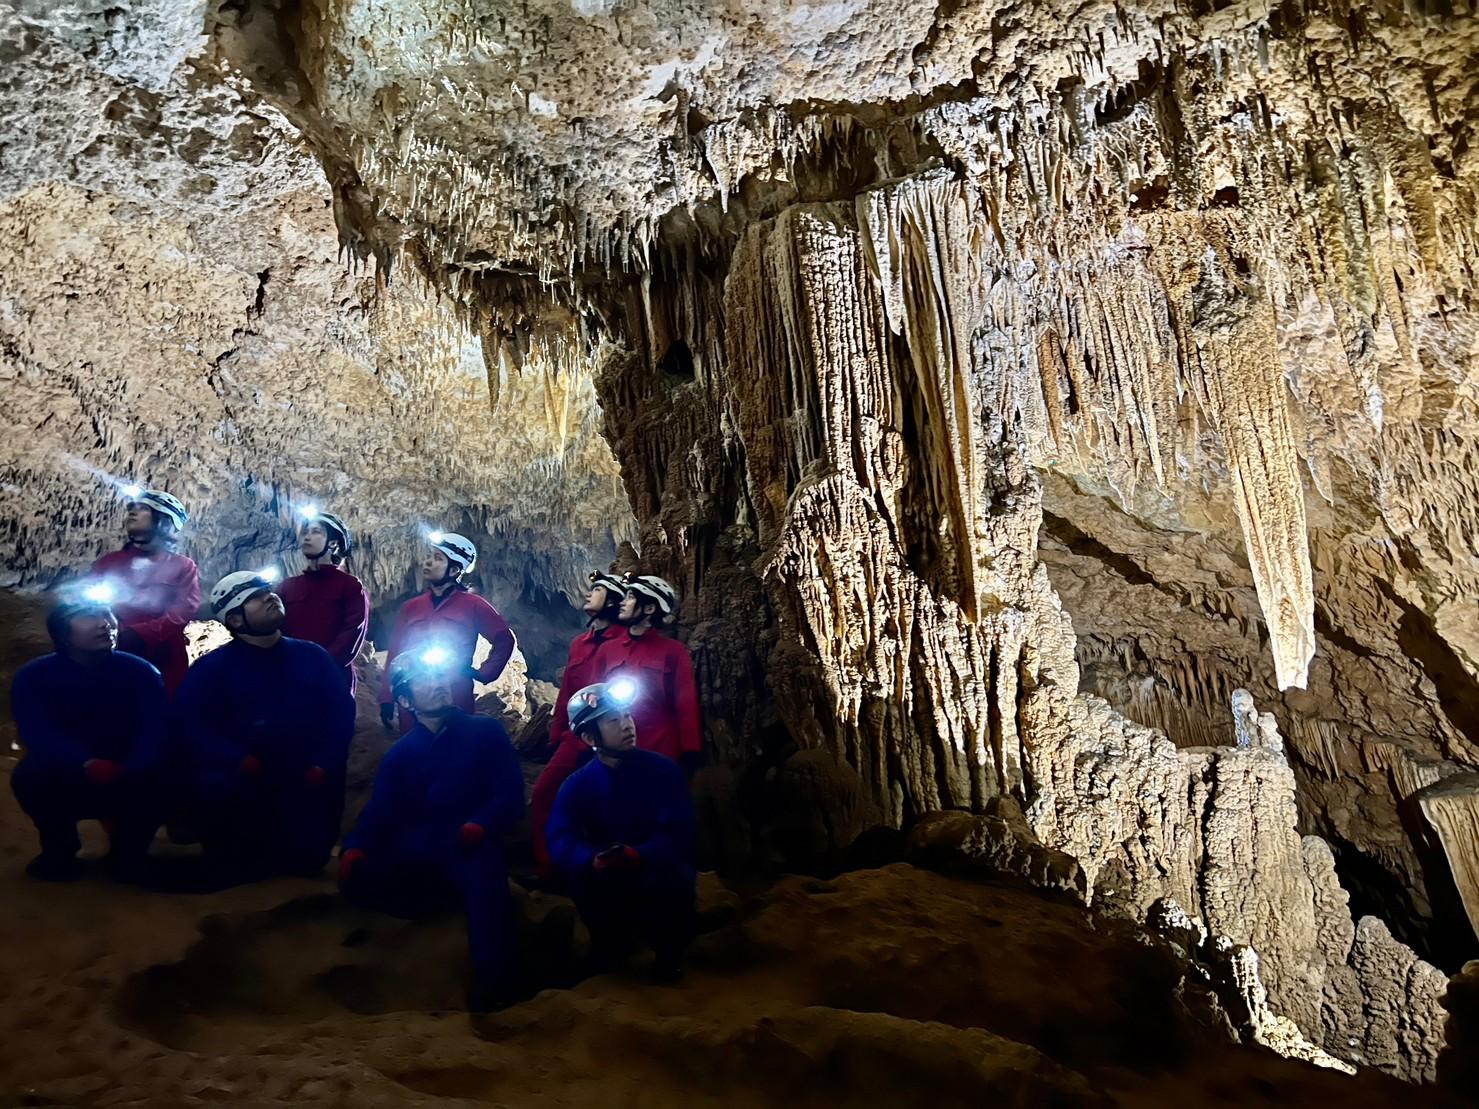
(265, 723)
(446, 795)
(622, 835)
(92, 720)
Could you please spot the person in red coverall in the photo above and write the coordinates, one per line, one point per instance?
(666, 704)
(327, 605)
(602, 603)
(157, 590)
(448, 616)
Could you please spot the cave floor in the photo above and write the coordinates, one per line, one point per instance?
(889, 987)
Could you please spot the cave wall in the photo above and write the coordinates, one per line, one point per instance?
(876, 298)
(175, 307)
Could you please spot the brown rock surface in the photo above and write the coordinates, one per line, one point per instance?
(925, 337)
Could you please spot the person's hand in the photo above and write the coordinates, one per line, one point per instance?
(315, 776)
(249, 767)
(347, 861)
(101, 772)
(387, 715)
(619, 856)
(470, 835)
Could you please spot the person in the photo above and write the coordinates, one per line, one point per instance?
(446, 795)
(450, 617)
(622, 836)
(156, 589)
(602, 603)
(93, 722)
(327, 605)
(264, 723)
(666, 708)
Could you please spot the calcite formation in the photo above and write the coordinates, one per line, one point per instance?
(1006, 386)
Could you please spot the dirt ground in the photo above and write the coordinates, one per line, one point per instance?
(891, 987)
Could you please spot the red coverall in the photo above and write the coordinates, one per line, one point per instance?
(157, 597)
(570, 751)
(455, 623)
(331, 608)
(666, 706)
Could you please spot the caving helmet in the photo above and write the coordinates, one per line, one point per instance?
(409, 665)
(337, 529)
(236, 589)
(74, 599)
(653, 589)
(161, 504)
(458, 549)
(615, 590)
(591, 705)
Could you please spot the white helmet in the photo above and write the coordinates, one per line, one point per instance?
(334, 528)
(457, 548)
(235, 590)
(652, 588)
(162, 504)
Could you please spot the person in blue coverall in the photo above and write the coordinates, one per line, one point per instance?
(264, 724)
(431, 837)
(93, 722)
(622, 835)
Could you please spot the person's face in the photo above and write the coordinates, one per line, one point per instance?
(313, 541)
(264, 612)
(618, 733)
(631, 608)
(595, 601)
(431, 692)
(138, 521)
(434, 566)
(96, 630)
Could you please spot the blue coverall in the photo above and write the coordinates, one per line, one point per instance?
(287, 707)
(643, 803)
(68, 713)
(429, 785)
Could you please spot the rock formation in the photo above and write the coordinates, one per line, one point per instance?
(1004, 384)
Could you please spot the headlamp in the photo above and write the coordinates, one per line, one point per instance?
(622, 692)
(132, 491)
(434, 536)
(269, 574)
(100, 593)
(436, 656)
(309, 512)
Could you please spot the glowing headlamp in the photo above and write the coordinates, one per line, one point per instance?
(309, 512)
(100, 593)
(132, 492)
(622, 692)
(434, 536)
(436, 656)
(269, 574)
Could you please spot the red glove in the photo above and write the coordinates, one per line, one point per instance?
(315, 776)
(249, 767)
(101, 772)
(347, 861)
(469, 835)
(619, 856)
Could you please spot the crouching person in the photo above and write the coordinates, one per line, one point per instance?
(92, 720)
(431, 837)
(265, 722)
(622, 835)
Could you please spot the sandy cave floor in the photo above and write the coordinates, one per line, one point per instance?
(891, 987)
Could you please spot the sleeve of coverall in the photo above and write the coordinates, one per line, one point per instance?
(196, 710)
(559, 720)
(504, 807)
(151, 709)
(44, 739)
(567, 849)
(379, 815)
(185, 580)
(492, 627)
(397, 635)
(671, 844)
(336, 708)
(351, 636)
(685, 701)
